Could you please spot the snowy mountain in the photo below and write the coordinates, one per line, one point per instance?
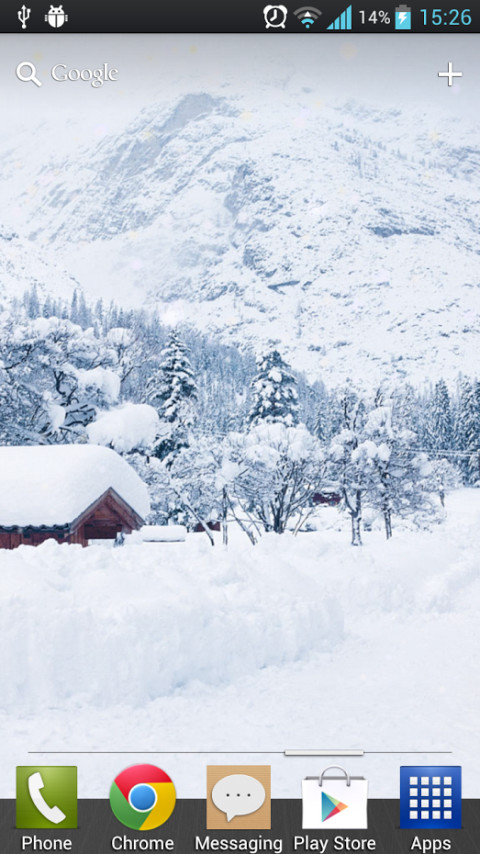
(24, 266)
(346, 235)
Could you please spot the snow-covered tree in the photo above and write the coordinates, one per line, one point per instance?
(130, 427)
(195, 485)
(275, 398)
(353, 469)
(468, 432)
(164, 505)
(185, 490)
(54, 377)
(439, 431)
(397, 487)
(32, 302)
(351, 461)
(442, 478)
(375, 463)
(173, 392)
(406, 410)
(277, 469)
(323, 416)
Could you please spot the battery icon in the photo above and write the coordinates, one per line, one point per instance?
(403, 18)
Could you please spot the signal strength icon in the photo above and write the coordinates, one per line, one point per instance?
(343, 22)
(307, 15)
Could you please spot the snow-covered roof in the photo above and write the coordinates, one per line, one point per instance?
(54, 484)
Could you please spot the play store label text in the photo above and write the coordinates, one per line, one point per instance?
(338, 843)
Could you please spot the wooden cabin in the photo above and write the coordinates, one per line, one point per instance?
(69, 493)
(327, 497)
(212, 526)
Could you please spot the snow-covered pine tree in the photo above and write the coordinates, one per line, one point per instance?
(32, 302)
(315, 408)
(173, 392)
(476, 394)
(321, 430)
(406, 409)
(275, 398)
(74, 307)
(468, 432)
(84, 312)
(439, 425)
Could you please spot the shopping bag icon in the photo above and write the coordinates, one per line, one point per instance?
(335, 803)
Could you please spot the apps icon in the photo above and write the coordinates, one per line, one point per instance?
(334, 801)
(142, 797)
(238, 797)
(46, 796)
(430, 796)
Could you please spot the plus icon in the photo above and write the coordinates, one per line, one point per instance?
(451, 74)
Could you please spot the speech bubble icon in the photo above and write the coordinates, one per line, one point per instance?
(238, 794)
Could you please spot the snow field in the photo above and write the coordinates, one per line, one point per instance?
(126, 625)
(252, 641)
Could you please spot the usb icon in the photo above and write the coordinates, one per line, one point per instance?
(403, 18)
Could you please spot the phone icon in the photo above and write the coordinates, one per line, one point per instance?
(46, 797)
(35, 786)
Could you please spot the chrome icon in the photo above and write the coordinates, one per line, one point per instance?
(142, 797)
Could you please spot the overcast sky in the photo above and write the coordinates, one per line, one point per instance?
(385, 70)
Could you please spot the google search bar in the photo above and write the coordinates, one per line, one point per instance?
(26, 72)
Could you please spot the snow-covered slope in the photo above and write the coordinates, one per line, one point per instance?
(24, 265)
(347, 234)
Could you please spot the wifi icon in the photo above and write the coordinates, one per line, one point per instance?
(307, 15)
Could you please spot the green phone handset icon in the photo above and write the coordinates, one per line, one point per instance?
(35, 786)
(46, 796)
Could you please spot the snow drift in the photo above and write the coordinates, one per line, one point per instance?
(124, 626)
(246, 647)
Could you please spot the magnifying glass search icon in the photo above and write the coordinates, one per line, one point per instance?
(27, 72)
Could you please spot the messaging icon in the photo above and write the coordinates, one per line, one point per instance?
(238, 797)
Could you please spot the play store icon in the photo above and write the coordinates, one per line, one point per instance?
(334, 801)
(331, 807)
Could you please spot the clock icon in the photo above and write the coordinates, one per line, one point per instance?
(275, 16)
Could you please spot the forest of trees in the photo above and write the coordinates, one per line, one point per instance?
(219, 435)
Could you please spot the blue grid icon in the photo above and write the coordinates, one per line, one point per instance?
(430, 796)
